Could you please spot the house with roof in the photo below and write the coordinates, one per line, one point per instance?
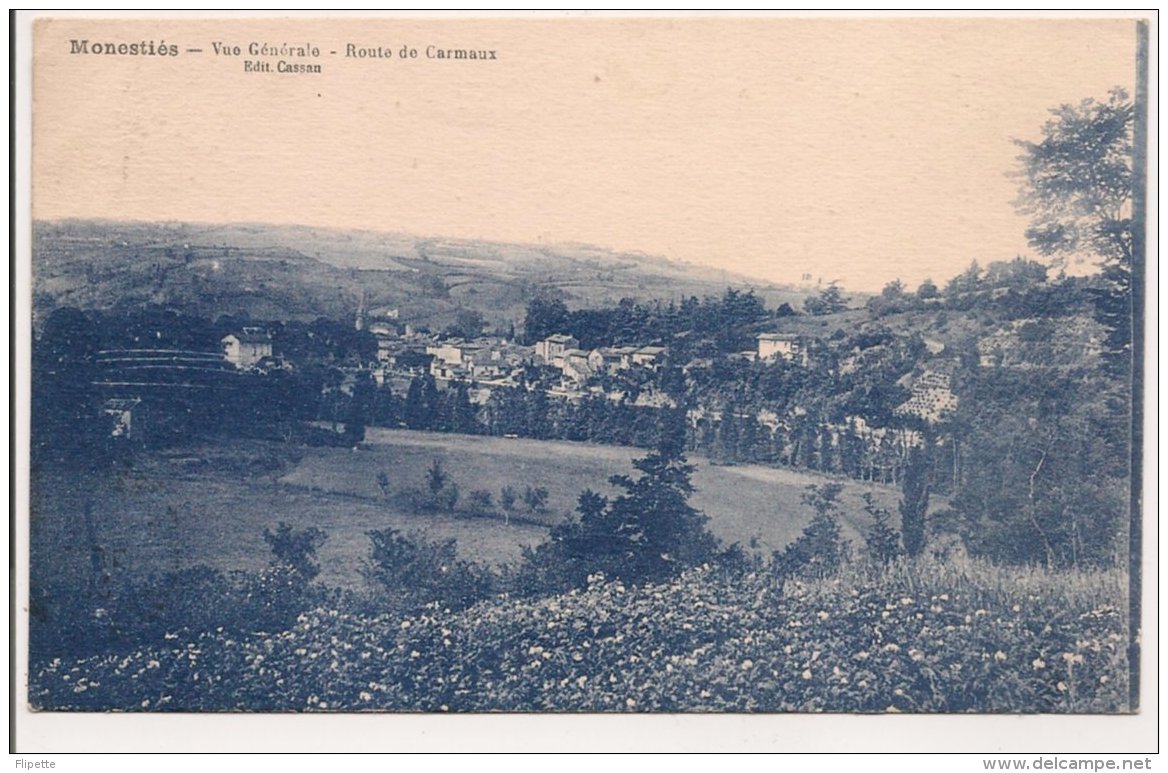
(625, 355)
(774, 345)
(455, 351)
(604, 360)
(578, 367)
(551, 349)
(246, 348)
(648, 356)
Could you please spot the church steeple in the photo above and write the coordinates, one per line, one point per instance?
(359, 322)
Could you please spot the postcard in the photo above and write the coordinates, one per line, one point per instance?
(690, 365)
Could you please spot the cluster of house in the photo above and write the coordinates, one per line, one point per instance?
(491, 361)
(496, 361)
(563, 352)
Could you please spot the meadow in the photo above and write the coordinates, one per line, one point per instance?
(917, 636)
(211, 506)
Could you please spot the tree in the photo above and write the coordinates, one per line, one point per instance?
(421, 404)
(820, 550)
(829, 301)
(927, 289)
(1018, 273)
(881, 539)
(967, 281)
(468, 323)
(295, 550)
(573, 551)
(914, 501)
(1043, 470)
(355, 420)
(892, 299)
(650, 532)
(435, 478)
(893, 291)
(545, 316)
(535, 498)
(1077, 182)
(1077, 186)
(660, 531)
(507, 499)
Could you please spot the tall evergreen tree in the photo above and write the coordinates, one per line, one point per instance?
(914, 501)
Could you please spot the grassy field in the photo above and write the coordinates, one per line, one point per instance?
(167, 514)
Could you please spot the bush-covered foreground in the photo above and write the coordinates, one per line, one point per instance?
(915, 637)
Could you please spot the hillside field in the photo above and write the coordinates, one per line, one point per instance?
(211, 505)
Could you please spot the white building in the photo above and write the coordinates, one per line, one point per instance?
(648, 356)
(551, 349)
(785, 345)
(247, 348)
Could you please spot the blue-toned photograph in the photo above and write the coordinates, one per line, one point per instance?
(698, 365)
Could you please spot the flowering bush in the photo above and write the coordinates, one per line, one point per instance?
(918, 639)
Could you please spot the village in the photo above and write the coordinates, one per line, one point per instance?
(783, 419)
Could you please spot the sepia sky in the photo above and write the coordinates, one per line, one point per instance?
(857, 150)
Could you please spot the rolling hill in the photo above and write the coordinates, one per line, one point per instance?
(297, 272)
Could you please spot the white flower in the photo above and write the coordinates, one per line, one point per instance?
(807, 673)
(1038, 664)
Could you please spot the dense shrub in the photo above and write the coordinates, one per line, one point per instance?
(412, 572)
(480, 502)
(295, 550)
(919, 637)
